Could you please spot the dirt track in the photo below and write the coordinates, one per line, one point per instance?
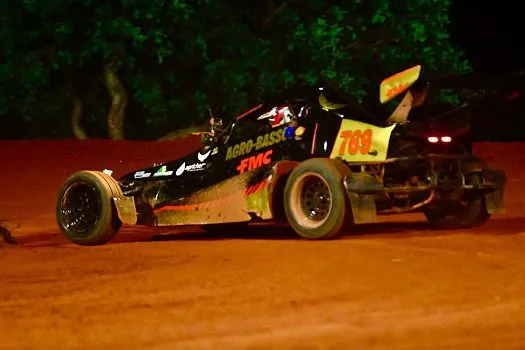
(393, 285)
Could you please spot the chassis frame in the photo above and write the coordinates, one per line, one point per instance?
(363, 189)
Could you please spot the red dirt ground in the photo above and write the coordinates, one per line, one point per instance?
(395, 285)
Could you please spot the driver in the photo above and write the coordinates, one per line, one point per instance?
(278, 116)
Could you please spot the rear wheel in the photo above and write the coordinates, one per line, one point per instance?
(84, 210)
(315, 200)
(471, 212)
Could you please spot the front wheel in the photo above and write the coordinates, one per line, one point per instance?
(315, 200)
(84, 210)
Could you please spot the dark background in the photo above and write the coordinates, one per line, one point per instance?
(491, 34)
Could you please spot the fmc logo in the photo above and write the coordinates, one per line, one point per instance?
(256, 161)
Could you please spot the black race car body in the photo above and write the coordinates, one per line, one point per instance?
(313, 158)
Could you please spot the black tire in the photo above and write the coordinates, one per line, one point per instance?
(315, 200)
(85, 211)
(472, 212)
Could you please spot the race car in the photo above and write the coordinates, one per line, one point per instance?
(314, 159)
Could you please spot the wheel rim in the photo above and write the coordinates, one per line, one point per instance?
(80, 208)
(311, 201)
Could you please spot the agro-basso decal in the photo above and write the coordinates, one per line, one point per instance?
(260, 142)
(255, 161)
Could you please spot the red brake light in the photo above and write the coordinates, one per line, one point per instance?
(435, 139)
(513, 96)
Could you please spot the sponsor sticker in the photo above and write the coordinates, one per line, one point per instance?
(202, 157)
(180, 170)
(192, 167)
(141, 175)
(195, 167)
(261, 142)
(163, 171)
(255, 161)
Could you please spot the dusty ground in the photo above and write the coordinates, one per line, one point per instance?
(391, 285)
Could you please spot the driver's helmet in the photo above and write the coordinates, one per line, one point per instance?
(278, 116)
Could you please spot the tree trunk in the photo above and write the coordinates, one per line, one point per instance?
(186, 132)
(76, 115)
(273, 12)
(119, 100)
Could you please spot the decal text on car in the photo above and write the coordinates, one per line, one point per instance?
(260, 142)
(361, 142)
(255, 161)
(192, 167)
(141, 174)
(356, 141)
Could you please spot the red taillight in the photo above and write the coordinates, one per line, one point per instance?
(435, 139)
(512, 97)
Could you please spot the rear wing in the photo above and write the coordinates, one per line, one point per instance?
(398, 83)
(480, 88)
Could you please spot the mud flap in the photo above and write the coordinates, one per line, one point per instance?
(363, 208)
(494, 200)
(126, 210)
(361, 189)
